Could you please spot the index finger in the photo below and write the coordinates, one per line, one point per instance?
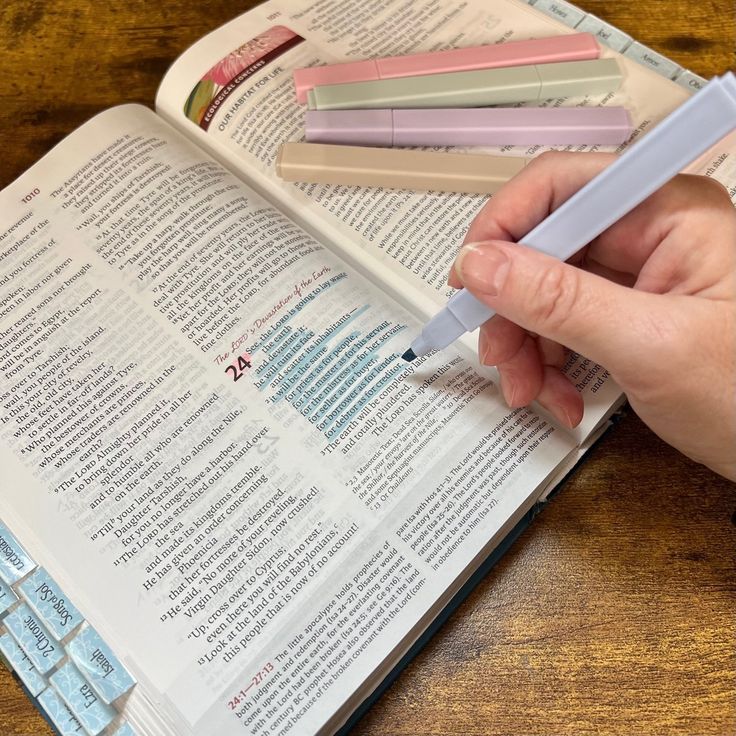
(538, 189)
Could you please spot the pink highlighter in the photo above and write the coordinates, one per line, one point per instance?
(572, 47)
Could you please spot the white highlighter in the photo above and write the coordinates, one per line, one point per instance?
(678, 140)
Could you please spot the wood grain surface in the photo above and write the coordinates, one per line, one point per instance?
(615, 612)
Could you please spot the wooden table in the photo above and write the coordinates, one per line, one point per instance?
(615, 613)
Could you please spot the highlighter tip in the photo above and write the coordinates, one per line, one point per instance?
(409, 355)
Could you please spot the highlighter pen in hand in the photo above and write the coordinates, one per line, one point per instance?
(648, 164)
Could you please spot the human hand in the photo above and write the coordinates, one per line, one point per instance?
(652, 299)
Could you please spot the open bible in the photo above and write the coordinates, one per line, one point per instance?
(213, 455)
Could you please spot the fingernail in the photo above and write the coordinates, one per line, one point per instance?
(482, 267)
(562, 415)
(484, 348)
(508, 389)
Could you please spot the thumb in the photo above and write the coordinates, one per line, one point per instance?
(589, 314)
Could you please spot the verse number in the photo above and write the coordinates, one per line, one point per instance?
(240, 366)
(30, 195)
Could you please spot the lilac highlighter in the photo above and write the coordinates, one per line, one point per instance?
(470, 126)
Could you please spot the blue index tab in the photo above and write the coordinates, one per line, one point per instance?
(7, 597)
(78, 694)
(23, 667)
(651, 59)
(561, 10)
(47, 599)
(58, 711)
(608, 34)
(34, 638)
(15, 562)
(101, 667)
(690, 81)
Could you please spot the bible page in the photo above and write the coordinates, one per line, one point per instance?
(210, 441)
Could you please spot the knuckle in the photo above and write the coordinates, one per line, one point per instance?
(546, 159)
(719, 193)
(555, 296)
(710, 190)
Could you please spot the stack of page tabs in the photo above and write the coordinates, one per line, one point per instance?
(451, 98)
(62, 661)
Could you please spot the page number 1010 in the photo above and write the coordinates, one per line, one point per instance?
(30, 195)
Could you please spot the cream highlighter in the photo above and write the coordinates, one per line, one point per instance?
(395, 168)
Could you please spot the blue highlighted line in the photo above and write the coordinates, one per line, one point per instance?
(360, 388)
(319, 391)
(302, 388)
(283, 336)
(291, 376)
(295, 342)
(343, 360)
(334, 395)
(272, 374)
(358, 407)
